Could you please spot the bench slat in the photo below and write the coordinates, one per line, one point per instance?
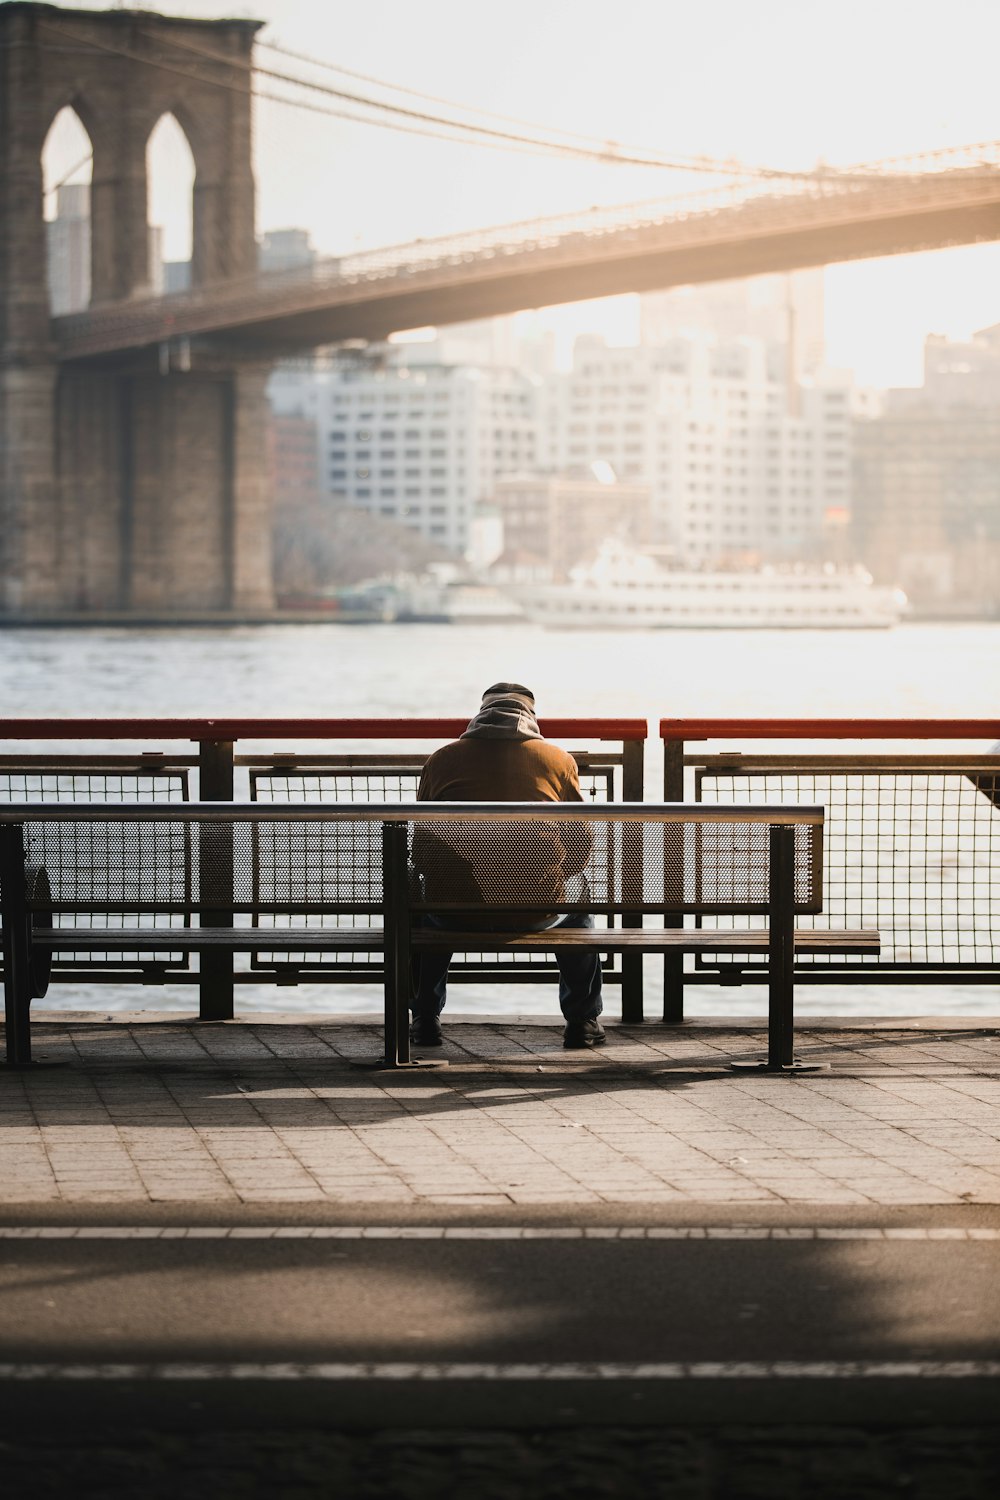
(191, 939)
(650, 940)
(346, 939)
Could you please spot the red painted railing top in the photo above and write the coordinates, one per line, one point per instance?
(225, 729)
(830, 729)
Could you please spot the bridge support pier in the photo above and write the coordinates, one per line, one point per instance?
(140, 495)
(29, 521)
(251, 583)
(162, 506)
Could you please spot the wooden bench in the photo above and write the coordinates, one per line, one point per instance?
(64, 868)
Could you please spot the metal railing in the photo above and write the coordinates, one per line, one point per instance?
(912, 838)
(219, 770)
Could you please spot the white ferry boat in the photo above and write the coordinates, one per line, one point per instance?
(455, 604)
(626, 588)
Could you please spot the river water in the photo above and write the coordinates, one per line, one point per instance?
(912, 671)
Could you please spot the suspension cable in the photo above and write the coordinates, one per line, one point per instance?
(246, 91)
(698, 163)
(607, 153)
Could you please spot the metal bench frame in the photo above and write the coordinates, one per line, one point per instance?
(28, 938)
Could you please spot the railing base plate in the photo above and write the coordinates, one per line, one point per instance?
(763, 1066)
(383, 1064)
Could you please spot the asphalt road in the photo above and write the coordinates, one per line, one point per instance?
(271, 1316)
(696, 1368)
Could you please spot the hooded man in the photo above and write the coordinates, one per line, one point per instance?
(502, 757)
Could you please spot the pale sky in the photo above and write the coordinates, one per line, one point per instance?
(783, 83)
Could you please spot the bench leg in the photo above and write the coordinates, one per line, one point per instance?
(397, 950)
(781, 954)
(216, 988)
(673, 988)
(16, 956)
(395, 898)
(631, 988)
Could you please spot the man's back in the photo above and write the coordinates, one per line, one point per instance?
(502, 757)
(486, 770)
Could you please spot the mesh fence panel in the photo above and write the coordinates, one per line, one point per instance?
(390, 782)
(366, 783)
(310, 864)
(290, 867)
(334, 784)
(118, 785)
(106, 873)
(604, 864)
(282, 873)
(915, 853)
(184, 868)
(380, 783)
(93, 784)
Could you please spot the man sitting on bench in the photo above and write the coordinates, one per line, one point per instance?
(502, 757)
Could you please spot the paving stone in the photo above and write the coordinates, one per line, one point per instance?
(512, 1120)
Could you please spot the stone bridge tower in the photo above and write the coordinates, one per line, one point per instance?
(136, 485)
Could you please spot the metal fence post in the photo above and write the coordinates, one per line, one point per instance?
(633, 770)
(781, 948)
(673, 870)
(16, 966)
(397, 944)
(215, 844)
(633, 790)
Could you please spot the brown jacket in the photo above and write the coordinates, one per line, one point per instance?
(501, 862)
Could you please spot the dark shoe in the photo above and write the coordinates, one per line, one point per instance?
(579, 1034)
(425, 1031)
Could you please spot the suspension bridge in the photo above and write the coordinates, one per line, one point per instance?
(132, 481)
(743, 229)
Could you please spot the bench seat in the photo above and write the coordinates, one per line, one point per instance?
(358, 939)
(194, 939)
(646, 940)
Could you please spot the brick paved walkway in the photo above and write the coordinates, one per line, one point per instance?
(268, 1112)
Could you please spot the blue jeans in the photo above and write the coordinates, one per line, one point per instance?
(579, 975)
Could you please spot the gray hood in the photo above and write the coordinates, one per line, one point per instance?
(504, 719)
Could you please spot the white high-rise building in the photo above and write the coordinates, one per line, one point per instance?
(414, 440)
(285, 250)
(507, 340)
(68, 236)
(776, 308)
(157, 270)
(737, 462)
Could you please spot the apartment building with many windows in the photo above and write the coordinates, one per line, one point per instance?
(738, 462)
(412, 439)
(557, 520)
(927, 481)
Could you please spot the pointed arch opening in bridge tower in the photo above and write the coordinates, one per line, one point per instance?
(84, 494)
(130, 486)
(67, 169)
(170, 197)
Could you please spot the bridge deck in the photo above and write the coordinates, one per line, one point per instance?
(546, 262)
